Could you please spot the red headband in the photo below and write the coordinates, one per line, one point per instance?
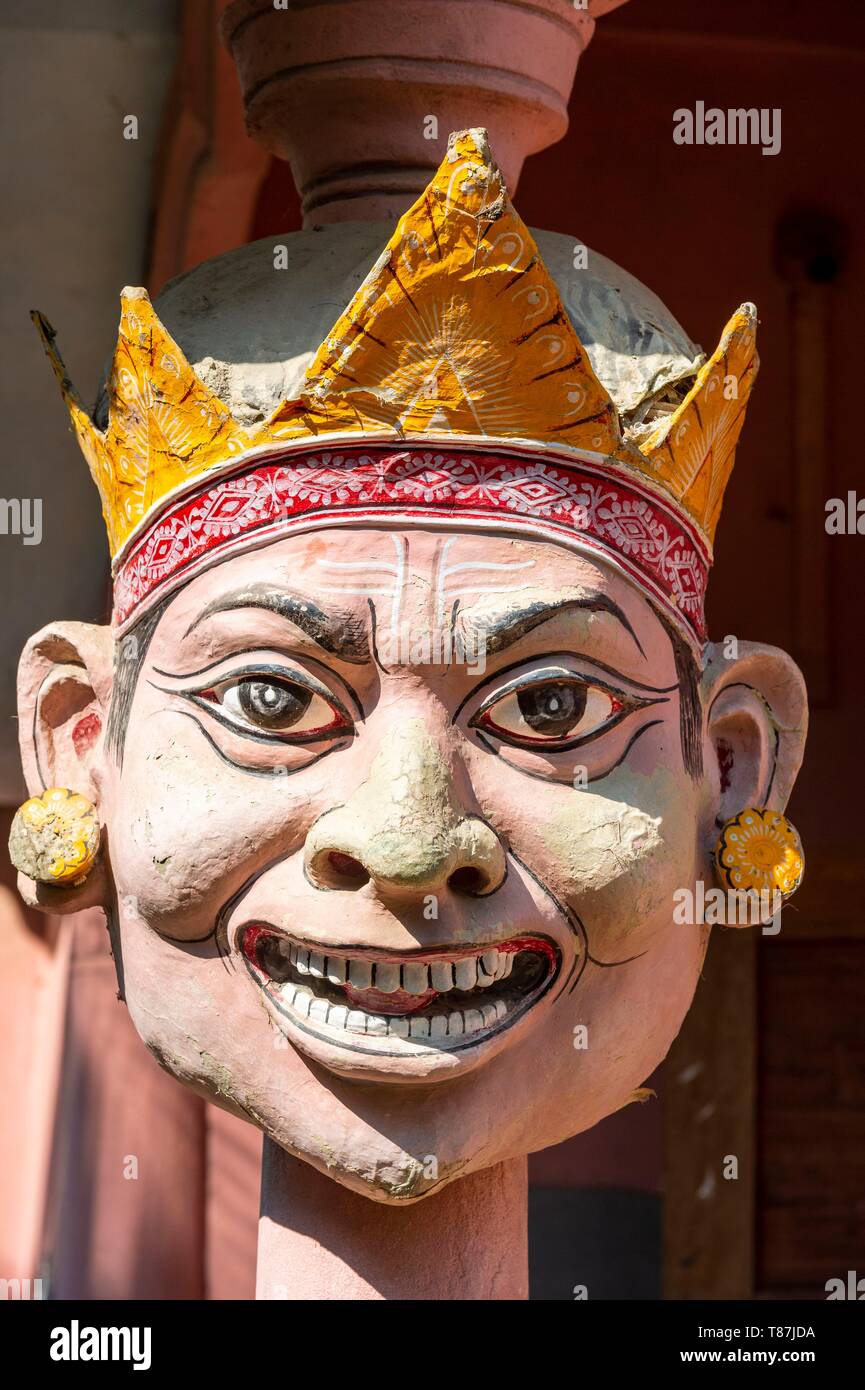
(578, 503)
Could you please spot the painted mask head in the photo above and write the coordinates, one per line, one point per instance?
(406, 733)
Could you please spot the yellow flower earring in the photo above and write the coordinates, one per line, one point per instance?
(55, 838)
(760, 850)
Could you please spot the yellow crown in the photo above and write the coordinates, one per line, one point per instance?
(457, 333)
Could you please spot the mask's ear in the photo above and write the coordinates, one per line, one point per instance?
(756, 721)
(64, 690)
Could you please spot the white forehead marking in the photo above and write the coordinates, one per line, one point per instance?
(393, 591)
(479, 567)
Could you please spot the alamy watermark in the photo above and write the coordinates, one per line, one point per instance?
(22, 516)
(77, 1343)
(851, 1288)
(731, 907)
(20, 1290)
(433, 647)
(845, 516)
(736, 126)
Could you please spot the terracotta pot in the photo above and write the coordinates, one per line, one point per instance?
(361, 95)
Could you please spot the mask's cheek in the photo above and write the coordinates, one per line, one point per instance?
(181, 998)
(611, 1033)
(616, 856)
(186, 834)
(622, 858)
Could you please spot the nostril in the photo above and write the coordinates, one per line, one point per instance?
(347, 866)
(467, 880)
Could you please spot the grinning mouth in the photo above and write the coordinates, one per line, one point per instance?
(446, 1000)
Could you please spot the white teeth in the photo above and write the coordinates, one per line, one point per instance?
(466, 973)
(487, 968)
(360, 973)
(442, 975)
(336, 968)
(415, 978)
(441, 1025)
(491, 961)
(476, 972)
(303, 1002)
(387, 977)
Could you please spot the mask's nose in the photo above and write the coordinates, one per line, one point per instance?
(405, 828)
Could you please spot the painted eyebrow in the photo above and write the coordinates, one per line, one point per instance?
(503, 632)
(341, 633)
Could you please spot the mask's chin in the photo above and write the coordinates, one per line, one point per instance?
(423, 1015)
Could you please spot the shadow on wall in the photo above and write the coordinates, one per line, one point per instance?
(591, 1243)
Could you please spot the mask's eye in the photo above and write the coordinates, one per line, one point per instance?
(276, 706)
(550, 712)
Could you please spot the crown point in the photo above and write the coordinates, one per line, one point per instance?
(45, 330)
(474, 135)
